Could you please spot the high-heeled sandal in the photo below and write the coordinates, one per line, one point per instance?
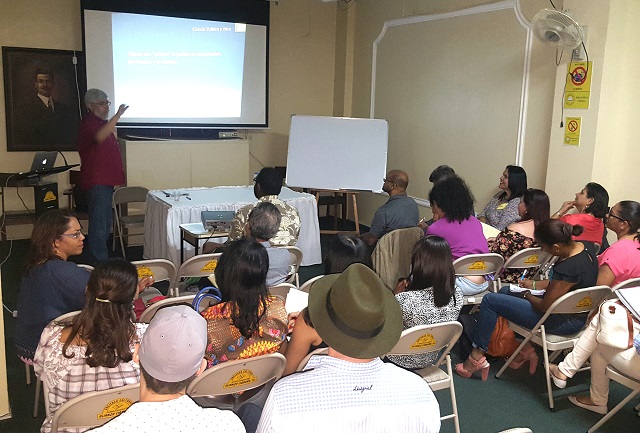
(527, 354)
(480, 364)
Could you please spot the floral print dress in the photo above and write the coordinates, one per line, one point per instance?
(507, 243)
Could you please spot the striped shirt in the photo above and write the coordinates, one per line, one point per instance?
(344, 396)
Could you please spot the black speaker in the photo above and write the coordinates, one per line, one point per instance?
(46, 197)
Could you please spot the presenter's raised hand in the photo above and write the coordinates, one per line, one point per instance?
(121, 109)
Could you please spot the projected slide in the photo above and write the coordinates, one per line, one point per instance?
(164, 65)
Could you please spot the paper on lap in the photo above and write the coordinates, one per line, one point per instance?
(297, 300)
(514, 288)
(489, 231)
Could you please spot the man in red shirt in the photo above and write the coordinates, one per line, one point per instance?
(101, 168)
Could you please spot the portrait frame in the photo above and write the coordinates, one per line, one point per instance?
(57, 76)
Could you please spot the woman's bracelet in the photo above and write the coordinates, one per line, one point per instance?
(534, 284)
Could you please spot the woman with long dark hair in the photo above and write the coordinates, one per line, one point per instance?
(533, 209)
(93, 350)
(428, 295)
(248, 322)
(591, 205)
(502, 209)
(51, 285)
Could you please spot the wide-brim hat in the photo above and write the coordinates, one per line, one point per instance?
(355, 313)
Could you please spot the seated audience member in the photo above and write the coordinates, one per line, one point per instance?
(267, 187)
(262, 225)
(428, 295)
(248, 322)
(502, 209)
(170, 356)
(576, 268)
(93, 350)
(452, 206)
(533, 209)
(438, 174)
(343, 251)
(51, 286)
(591, 204)
(351, 389)
(399, 212)
(627, 361)
(621, 261)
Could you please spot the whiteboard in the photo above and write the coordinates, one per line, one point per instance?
(337, 153)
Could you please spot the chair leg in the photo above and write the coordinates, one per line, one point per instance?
(27, 370)
(547, 373)
(36, 402)
(124, 253)
(452, 391)
(614, 410)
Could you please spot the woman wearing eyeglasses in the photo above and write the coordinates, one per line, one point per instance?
(51, 286)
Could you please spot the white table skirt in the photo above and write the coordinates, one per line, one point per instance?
(164, 216)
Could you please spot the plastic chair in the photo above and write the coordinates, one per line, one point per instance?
(629, 382)
(197, 266)
(574, 302)
(392, 254)
(159, 269)
(474, 265)
(123, 222)
(307, 285)
(152, 309)
(429, 338)
(232, 378)
(321, 351)
(526, 259)
(296, 260)
(94, 408)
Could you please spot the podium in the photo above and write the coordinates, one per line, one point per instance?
(45, 194)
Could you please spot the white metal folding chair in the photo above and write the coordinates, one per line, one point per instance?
(159, 269)
(87, 267)
(296, 260)
(517, 430)
(526, 259)
(321, 351)
(307, 285)
(231, 379)
(478, 265)
(629, 382)
(575, 302)
(281, 290)
(152, 309)
(94, 408)
(429, 338)
(123, 222)
(197, 266)
(633, 282)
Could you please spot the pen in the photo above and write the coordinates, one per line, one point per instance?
(524, 274)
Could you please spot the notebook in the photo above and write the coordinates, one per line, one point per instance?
(43, 161)
(630, 297)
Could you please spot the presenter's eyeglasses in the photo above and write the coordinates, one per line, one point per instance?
(103, 103)
(74, 235)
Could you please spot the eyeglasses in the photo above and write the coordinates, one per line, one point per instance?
(74, 235)
(617, 217)
(385, 180)
(103, 103)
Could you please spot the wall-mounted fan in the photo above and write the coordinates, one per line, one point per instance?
(557, 28)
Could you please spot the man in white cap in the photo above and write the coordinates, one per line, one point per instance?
(352, 390)
(171, 355)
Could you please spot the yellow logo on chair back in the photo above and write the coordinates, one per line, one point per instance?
(49, 196)
(115, 408)
(210, 266)
(585, 302)
(478, 266)
(423, 341)
(531, 260)
(144, 271)
(242, 377)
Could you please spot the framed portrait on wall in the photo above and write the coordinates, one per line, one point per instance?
(42, 102)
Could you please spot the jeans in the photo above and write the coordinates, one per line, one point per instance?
(100, 221)
(521, 312)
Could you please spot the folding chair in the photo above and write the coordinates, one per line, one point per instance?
(152, 309)
(429, 338)
(392, 254)
(197, 266)
(574, 302)
(321, 351)
(94, 408)
(526, 259)
(159, 269)
(629, 382)
(296, 260)
(123, 222)
(281, 290)
(87, 267)
(517, 430)
(633, 282)
(478, 265)
(307, 285)
(228, 382)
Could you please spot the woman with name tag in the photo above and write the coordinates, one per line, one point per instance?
(502, 209)
(576, 268)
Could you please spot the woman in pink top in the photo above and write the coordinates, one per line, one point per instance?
(591, 204)
(621, 261)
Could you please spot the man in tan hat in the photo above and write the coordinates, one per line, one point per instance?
(352, 390)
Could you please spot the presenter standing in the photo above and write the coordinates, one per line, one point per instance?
(101, 168)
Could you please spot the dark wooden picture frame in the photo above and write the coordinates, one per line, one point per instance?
(42, 105)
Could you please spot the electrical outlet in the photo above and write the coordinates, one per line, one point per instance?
(578, 54)
(228, 134)
(15, 313)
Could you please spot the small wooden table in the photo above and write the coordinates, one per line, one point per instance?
(341, 197)
(193, 233)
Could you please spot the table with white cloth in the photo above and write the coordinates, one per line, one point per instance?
(164, 214)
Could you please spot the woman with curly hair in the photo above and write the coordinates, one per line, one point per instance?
(248, 322)
(452, 206)
(93, 350)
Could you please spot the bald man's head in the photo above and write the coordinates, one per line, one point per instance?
(396, 182)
